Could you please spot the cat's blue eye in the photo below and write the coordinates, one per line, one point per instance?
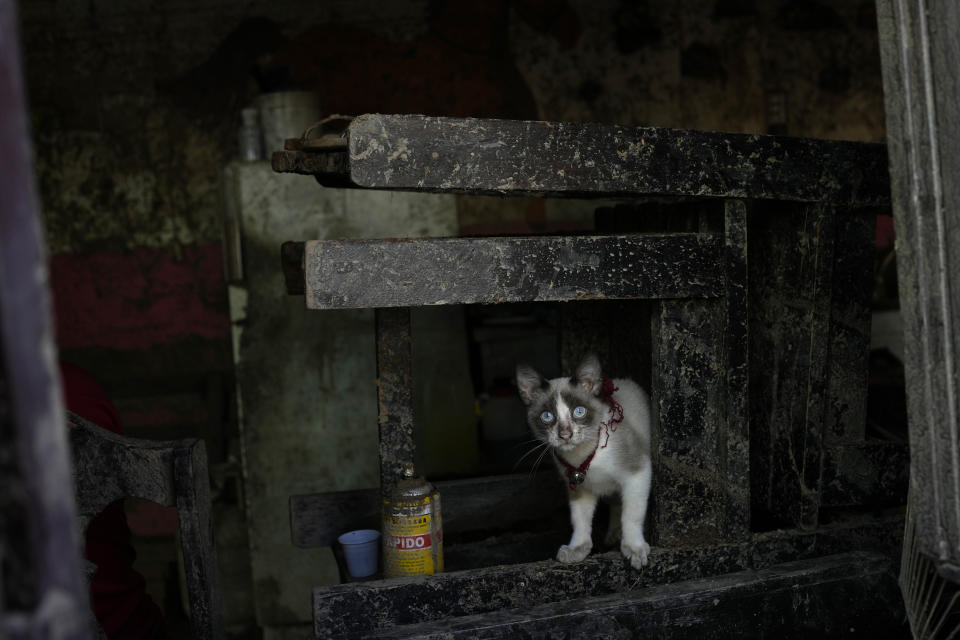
(579, 412)
(546, 416)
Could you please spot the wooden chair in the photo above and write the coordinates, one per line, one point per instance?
(108, 467)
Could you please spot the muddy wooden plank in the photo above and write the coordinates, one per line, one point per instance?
(433, 271)
(361, 608)
(524, 158)
(810, 462)
(791, 289)
(394, 396)
(845, 595)
(734, 444)
(691, 484)
(848, 368)
(108, 467)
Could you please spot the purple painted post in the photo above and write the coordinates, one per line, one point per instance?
(36, 429)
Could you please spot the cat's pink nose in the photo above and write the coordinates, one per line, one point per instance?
(565, 434)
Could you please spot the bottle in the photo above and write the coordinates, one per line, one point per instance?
(412, 528)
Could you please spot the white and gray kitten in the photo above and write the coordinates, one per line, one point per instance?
(598, 453)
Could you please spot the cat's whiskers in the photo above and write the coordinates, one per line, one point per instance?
(539, 459)
(526, 442)
(542, 444)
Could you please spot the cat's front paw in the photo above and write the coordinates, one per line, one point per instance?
(636, 554)
(573, 554)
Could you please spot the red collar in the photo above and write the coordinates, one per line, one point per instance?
(576, 475)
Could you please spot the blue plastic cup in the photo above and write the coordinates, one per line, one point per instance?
(360, 548)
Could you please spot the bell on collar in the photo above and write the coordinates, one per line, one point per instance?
(577, 477)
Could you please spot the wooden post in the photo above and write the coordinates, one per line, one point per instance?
(394, 395)
(45, 592)
(920, 54)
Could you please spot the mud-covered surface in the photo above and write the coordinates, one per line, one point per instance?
(690, 487)
(394, 396)
(699, 372)
(360, 608)
(513, 157)
(108, 466)
(789, 333)
(619, 331)
(734, 442)
(854, 595)
(777, 321)
(850, 321)
(389, 273)
(809, 341)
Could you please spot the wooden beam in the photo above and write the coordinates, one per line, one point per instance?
(394, 396)
(393, 273)
(856, 593)
(361, 609)
(575, 159)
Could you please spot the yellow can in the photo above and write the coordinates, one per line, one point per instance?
(412, 529)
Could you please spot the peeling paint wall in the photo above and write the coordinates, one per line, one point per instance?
(710, 65)
(139, 298)
(135, 106)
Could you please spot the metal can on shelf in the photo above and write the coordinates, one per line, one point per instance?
(412, 528)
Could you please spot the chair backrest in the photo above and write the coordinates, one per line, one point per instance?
(108, 467)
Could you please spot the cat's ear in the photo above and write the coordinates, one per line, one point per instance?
(528, 382)
(588, 374)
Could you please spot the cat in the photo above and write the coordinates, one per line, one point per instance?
(598, 431)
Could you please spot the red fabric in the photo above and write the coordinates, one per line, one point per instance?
(117, 592)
